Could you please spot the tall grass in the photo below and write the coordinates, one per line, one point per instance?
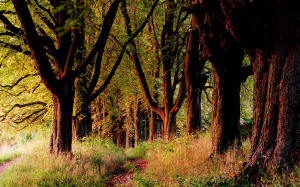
(184, 161)
(94, 160)
(188, 161)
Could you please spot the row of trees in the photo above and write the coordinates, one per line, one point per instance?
(68, 49)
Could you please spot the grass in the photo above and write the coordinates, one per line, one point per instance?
(188, 161)
(94, 160)
(184, 161)
(8, 157)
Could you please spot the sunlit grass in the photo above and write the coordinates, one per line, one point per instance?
(93, 162)
(188, 161)
(184, 161)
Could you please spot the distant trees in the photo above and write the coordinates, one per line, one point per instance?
(169, 52)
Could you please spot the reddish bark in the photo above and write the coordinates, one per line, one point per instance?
(194, 81)
(273, 46)
(118, 132)
(136, 113)
(220, 48)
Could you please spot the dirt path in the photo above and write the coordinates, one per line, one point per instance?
(125, 177)
(5, 165)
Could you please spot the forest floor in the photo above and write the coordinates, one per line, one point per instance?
(124, 177)
(5, 165)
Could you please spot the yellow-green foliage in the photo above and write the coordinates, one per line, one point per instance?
(93, 161)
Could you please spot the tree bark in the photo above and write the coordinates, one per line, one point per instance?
(273, 47)
(194, 81)
(226, 56)
(136, 113)
(61, 135)
(151, 126)
(225, 109)
(118, 133)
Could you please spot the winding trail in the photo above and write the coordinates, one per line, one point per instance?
(124, 178)
(5, 165)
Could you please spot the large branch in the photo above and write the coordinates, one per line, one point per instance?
(8, 25)
(107, 25)
(43, 112)
(136, 60)
(180, 97)
(129, 41)
(102, 39)
(10, 86)
(46, 10)
(39, 54)
(16, 48)
(18, 121)
(2, 117)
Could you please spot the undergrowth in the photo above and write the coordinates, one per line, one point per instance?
(184, 161)
(188, 161)
(94, 160)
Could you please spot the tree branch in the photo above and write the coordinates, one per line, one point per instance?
(180, 98)
(39, 54)
(9, 26)
(34, 119)
(136, 60)
(28, 116)
(13, 47)
(17, 82)
(102, 39)
(108, 22)
(46, 10)
(2, 117)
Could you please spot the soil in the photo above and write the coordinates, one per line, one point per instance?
(5, 165)
(124, 178)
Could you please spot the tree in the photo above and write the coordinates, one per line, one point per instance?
(66, 27)
(269, 32)
(59, 53)
(226, 56)
(169, 47)
(194, 79)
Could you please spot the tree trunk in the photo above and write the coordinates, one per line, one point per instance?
(272, 44)
(151, 125)
(225, 109)
(194, 81)
(118, 133)
(61, 135)
(276, 126)
(166, 127)
(82, 127)
(136, 112)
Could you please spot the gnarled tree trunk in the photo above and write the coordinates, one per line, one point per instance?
(273, 46)
(276, 127)
(61, 134)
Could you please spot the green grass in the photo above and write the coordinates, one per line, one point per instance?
(6, 157)
(184, 161)
(187, 161)
(94, 161)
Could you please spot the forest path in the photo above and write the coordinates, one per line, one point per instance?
(5, 165)
(124, 178)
